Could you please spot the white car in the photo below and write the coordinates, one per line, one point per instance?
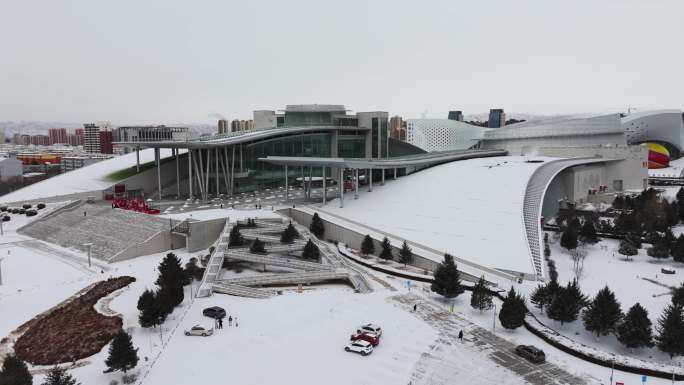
(371, 328)
(199, 330)
(359, 346)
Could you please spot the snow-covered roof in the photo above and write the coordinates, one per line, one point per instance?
(88, 178)
(471, 209)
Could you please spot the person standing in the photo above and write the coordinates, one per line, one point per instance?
(415, 307)
(230, 321)
(460, 335)
(220, 322)
(236, 323)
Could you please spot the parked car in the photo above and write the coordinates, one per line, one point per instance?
(3, 208)
(668, 270)
(6, 218)
(215, 312)
(14, 210)
(21, 211)
(373, 338)
(531, 353)
(199, 330)
(31, 212)
(362, 347)
(370, 328)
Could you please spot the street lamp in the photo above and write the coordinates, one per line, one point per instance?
(1, 271)
(89, 246)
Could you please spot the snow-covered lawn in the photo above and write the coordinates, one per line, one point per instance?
(233, 214)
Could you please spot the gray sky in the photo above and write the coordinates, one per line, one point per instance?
(164, 61)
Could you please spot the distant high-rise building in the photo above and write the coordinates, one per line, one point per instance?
(81, 136)
(456, 115)
(222, 126)
(74, 140)
(2, 136)
(106, 146)
(235, 125)
(58, 135)
(497, 118)
(40, 140)
(92, 138)
(396, 124)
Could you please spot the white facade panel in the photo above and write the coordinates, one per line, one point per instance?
(442, 134)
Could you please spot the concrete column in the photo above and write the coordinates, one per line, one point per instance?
(218, 184)
(287, 191)
(177, 172)
(157, 160)
(206, 179)
(232, 172)
(395, 173)
(137, 159)
(370, 179)
(189, 173)
(356, 183)
(341, 187)
(382, 183)
(324, 190)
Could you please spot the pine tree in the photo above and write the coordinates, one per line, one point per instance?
(192, 270)
(367, 246)
(678, 295)
(151, 313)
(680, 203)
(634, 239)
(289, 234)
(540, 297)
(311, 251)
(317, 227)
(257, 246)
(447, 281)
(15, 372)
(635, 330)
(603, 313)
(660, 249)
(567, 303)
(627, 249)
(670, 337)
(513, 311)
(235, 239)
(481, 297)
(122, 355)
(386, 252)
(569, 239)
(678, 249)
(588, 232)
(405, 254)
(170, 282)
(59, 376)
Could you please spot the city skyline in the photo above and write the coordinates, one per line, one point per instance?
(175, 62)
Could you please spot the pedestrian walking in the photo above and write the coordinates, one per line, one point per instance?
(230, 321)
(236, 324)
(220, 323)
(460, 335)
(221, 205)
(415, 307)
(84, 213)
(216, 323)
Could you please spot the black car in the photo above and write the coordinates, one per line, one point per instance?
(214, 312)
(531, 353)
(6, 218)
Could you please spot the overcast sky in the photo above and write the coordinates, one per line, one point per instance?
(165, 61)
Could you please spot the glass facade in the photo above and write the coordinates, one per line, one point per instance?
(382, 137)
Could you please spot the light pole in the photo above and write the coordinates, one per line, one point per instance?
(89, 246)
(1, 271)
(494, 320)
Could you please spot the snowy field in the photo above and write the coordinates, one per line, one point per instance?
(84, 179)
(471, 209)
(232, 214)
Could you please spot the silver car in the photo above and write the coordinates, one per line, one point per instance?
(199, 330)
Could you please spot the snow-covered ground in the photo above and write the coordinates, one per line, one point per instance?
(232, 214)
(471, 209)
(89, 178)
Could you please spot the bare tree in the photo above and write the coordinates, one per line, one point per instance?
(578, 256)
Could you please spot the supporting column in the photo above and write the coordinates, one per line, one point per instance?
(177, 172)
(370, 179)
(310, 180)
(356, 183)
(382, 182)
(341, 187)
(287, 191)
(137, 159)
(232, 173)
(218, 184)
(157, 161)
(395, 173)
(200, 173)
(226, 175)
(324, 190)
(189, 173)
(206, 179)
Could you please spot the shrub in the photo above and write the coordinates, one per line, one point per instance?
(40, 206)
(3, 208)
(26, 206)
(129, 378)
(113, 382)
(6, 218)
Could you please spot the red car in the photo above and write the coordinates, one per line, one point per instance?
(372, 338)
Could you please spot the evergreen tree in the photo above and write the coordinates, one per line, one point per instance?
(258, 246)
(678, 295)
(15, 372)
(311, 251)
(193, 271)
(671, 213)
(540, 297)
(235, 239)
(513, 310)
(151, 313)
(680, 203)
(122, 355)
(652, 237)
(566, 303)
(569, 239)
(367, 246)
(603, 313)
(59, 376)
(670, 337)
(289, 234)
(634, 239)
(386, 252)
(588, 232)
(627, 249)
(635, 329)
(170, 282)
(575, 225)
(447, 281)
(661, 249)
(481, 297)
(678, 249)
(405, 254)
(317, 227)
